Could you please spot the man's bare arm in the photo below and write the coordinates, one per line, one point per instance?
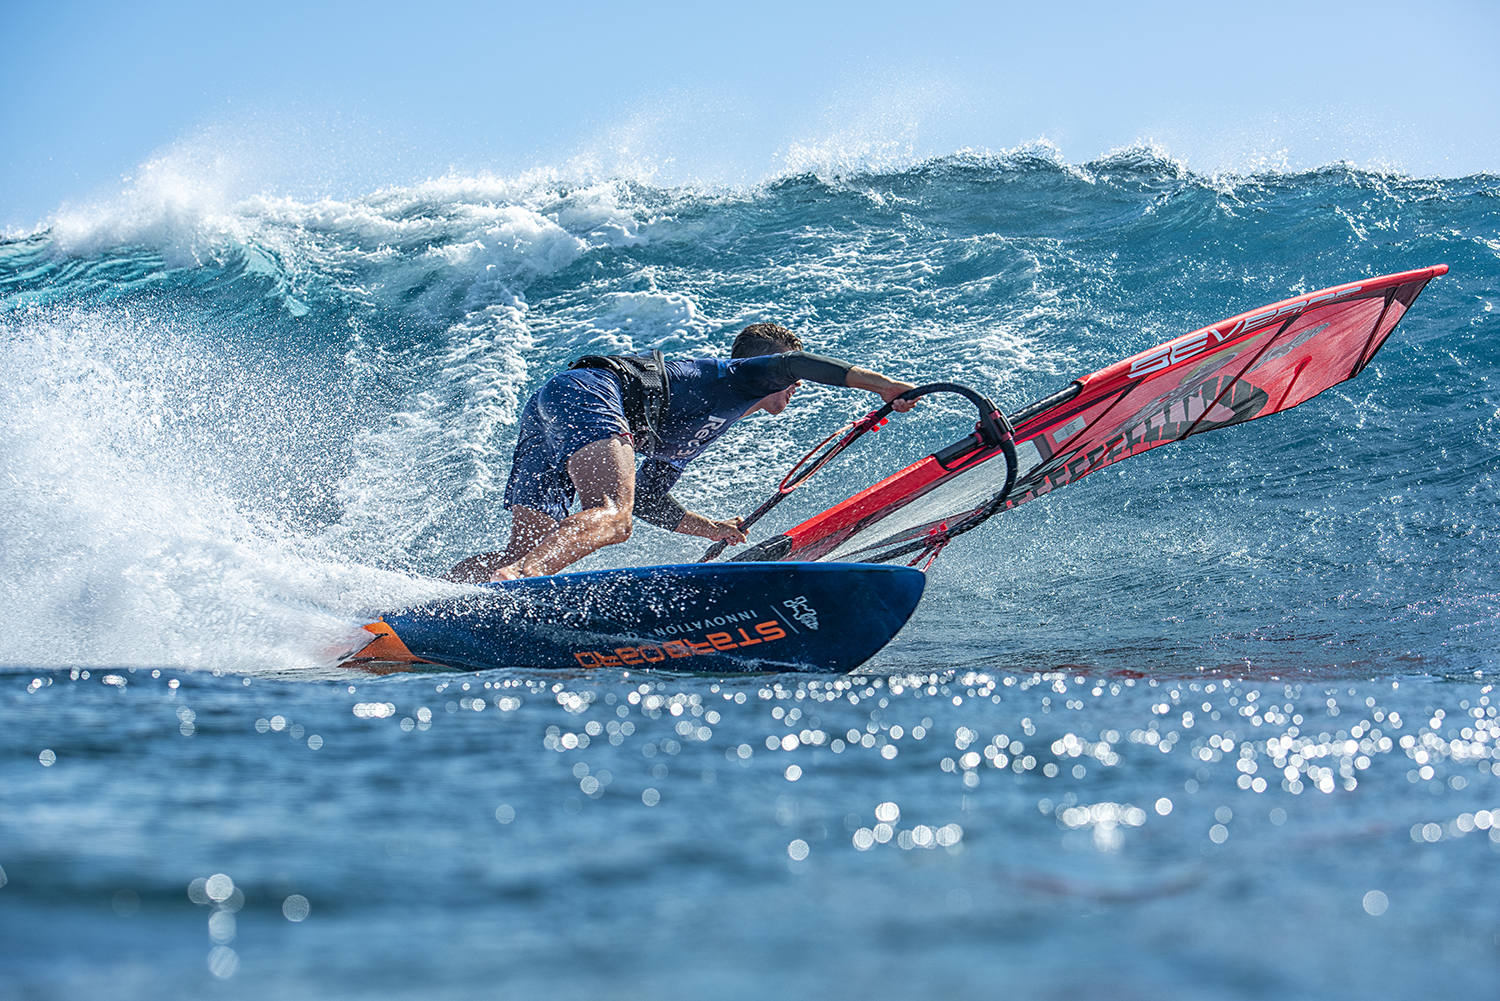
(886, 389)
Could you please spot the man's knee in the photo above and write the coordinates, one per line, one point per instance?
(620, 525)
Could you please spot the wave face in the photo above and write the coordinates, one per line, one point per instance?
(231, 428)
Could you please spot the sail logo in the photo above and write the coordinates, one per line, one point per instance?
(1192, 345)
(1172, 352)
(1215, 403)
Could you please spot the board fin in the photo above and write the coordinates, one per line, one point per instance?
(385, 654)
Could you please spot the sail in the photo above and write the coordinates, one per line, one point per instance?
(1257, 363)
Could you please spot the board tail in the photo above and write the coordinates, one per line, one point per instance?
(385, 654)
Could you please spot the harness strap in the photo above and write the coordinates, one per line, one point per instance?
(644, 390)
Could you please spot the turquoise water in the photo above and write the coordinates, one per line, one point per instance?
(232, 429)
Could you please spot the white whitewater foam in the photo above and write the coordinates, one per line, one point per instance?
(125, 549)
(433, 475)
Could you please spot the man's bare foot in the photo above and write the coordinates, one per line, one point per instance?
(506, 573)
(476, 569)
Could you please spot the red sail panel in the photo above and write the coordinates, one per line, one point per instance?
(1247, 366)
(822, 534)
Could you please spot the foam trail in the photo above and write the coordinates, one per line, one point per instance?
(438, 461)
(126, 549)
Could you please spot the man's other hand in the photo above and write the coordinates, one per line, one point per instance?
(727, 530)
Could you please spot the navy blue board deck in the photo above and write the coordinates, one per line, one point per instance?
(717, 619)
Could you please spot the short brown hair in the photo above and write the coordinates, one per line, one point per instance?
(764, 339)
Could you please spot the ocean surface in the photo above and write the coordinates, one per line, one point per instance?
(1216, 722)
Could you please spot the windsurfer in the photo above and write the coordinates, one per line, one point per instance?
(579, 434)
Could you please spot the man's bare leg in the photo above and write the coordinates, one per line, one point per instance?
(603, 473)
(527, 528)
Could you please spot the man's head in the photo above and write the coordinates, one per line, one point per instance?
(767, 339)
(764, 339)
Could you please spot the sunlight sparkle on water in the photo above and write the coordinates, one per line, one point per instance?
(971, 777)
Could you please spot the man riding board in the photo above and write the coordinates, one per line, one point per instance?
(579, 434)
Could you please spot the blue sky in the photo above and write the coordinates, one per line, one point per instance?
(338, 98)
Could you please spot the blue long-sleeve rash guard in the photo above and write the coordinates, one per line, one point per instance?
(708, 395)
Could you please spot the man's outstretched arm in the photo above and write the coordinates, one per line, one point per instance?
(886, 389)
(802, 365)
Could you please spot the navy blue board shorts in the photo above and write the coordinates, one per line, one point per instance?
(572, 409)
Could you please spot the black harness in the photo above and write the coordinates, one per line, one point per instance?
(643, 389)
